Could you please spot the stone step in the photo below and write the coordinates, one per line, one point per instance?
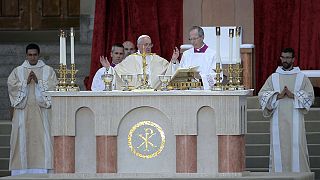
(257, 138)
(4, 163)
(4, 173)
(257, 162)
(264, 150)
(313, 114)
(4, 152)
(253, 102)
(5, 127)
(314, 161)
(256, 115)
(263, 161)
(4, 140)
(5, 114)
(314, 149)
(257, 150)
(257, 169)
(264, 126)
(313, 137)
(258, 127)
(263, 138)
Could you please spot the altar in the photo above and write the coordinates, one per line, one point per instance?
(192, 131)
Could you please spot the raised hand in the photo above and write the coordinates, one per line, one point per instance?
(175, 55)
(104, 62)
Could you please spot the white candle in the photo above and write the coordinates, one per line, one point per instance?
(64, 54)
(230, 45)
(72, 45)
(61, 49)
(238, 59)
(218, 44)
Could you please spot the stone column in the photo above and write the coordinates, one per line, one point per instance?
(231, 153)
(248, 67)
(186, 154)
(106, 154)
(64, 154)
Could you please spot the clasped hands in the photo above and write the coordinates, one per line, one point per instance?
(31, 76)
(285, 92)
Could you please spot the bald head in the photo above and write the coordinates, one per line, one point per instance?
(129, 48)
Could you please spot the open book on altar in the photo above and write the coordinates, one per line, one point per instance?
(185, 74)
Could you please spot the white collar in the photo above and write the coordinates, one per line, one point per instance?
(295, 70)
(39, 64)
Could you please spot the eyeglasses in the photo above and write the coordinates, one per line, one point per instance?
(285, 57)
(193, 39)
(147, 45)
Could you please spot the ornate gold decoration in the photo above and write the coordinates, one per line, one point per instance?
(148, 133)
(144, 78)
(218, 85)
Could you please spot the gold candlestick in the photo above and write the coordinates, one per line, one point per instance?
(73, 86)
(230, 71)
(62, 85)
(238, 77)
(218, 85)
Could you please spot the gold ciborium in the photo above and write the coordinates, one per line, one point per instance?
(165, 79)
(107, 79)
(143, 79)
(126, 78)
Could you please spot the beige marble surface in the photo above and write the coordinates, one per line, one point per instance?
(180, 107)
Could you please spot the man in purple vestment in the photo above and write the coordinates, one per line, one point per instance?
(200, 55)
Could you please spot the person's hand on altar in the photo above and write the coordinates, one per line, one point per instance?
(175, 55)
(104, 62)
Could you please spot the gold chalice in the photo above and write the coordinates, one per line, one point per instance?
(165, 79)
(143, 79)
(126, 78)
(107, 79)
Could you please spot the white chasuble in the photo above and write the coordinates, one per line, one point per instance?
(288, 146)
(132, 65)
(31, 146)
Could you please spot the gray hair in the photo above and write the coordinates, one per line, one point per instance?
(141, 37)
(200, 30)
(116, 45)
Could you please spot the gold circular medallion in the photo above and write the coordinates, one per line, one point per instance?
(146, 139)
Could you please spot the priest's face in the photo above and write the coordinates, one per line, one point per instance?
(128, 48)
(195, 39)
(32, 56)
(287, 60)
(117, 55)
(145, 45)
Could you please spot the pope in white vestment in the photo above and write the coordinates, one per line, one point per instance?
(31, 146)
(156, 65)
(285, 97)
